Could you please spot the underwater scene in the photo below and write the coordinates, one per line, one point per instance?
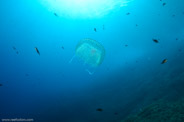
(92, 60)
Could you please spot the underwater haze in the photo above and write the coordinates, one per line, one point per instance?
(138, 53)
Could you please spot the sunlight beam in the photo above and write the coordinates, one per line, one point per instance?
(83, 8)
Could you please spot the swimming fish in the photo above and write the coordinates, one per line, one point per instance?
(164, 61)
(1, 84)
(55, 14)
(103, 27)
(115, 113)
(155, 40)
(99, 109)
(164, 4)
(126, 45)
(37, 50)
(95, 29)
(14, 48)
(62, 47)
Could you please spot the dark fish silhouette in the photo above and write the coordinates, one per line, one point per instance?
(164, 4)
(37, 50)
(155, 40)
(62, 47)
(128, 13)
(116, 113)
(55, 14)
(164, 61)
(99, 109)
(1, 84)
(95, 29)
(126, 45)
(103, 27)
(14, 48)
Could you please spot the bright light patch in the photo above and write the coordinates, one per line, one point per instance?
(83, 8)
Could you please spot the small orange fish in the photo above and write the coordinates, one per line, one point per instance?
(164, 61)
(37, 50)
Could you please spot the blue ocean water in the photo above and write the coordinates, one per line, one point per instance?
(47, 88)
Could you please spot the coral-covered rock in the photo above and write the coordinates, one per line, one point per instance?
(161, 111)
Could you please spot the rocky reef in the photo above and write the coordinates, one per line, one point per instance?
(160, 111)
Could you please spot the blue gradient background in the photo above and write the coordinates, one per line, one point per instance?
(47, 88)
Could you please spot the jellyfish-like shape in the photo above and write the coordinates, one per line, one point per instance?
(91, 52)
